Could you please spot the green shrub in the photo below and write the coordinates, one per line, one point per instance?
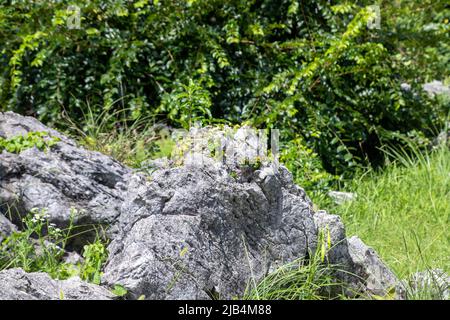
(310, 68)
(306, 168)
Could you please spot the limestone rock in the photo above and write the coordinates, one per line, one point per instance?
(16, 284)
(356, 265)
(197, 233)
(204, 229)
(61, 179)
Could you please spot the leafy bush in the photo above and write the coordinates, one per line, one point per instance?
(307, 168)
(310, 68)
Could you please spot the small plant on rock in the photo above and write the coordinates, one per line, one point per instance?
(95, 256)
(39, 139)
(37, 247)
(40, 247)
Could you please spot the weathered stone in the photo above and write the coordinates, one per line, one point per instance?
(436, 87)
(201, 230)
(340, 197)
(16, 284)
(72, 258)
(333, 231)
(194, 232)
(356, 265)
(377, 278)
(59, 179)
(405, 87)
(6, 227)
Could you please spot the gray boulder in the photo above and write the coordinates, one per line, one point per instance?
(340, 197)
(355, 264)
(436, 87)
(16, 284)
(197, 233)
(61, 179)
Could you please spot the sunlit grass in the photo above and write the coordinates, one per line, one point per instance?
(403, 212)
(129, 141)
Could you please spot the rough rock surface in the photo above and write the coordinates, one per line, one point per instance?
(60, 179)
(6, 227)
(356, 264)
(365, 263)
(16, 284)
(196, 231)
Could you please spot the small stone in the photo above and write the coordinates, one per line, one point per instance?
(340, 197)
(16, 284)
(436, 87)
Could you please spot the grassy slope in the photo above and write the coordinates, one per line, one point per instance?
(404, 212)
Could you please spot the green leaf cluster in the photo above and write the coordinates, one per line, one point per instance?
(19, 143)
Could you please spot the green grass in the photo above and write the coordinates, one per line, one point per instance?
(403, 212)
(129, 141)
(40, 247)
(303, 279)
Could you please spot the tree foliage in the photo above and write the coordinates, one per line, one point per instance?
(313, 69)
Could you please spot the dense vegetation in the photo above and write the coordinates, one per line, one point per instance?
(310, 68)
(316, 70)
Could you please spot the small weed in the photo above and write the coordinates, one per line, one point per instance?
(38, 139)
(39, 247)
(95, 256)
(234, 174)
(119, 290)
(253, 164)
